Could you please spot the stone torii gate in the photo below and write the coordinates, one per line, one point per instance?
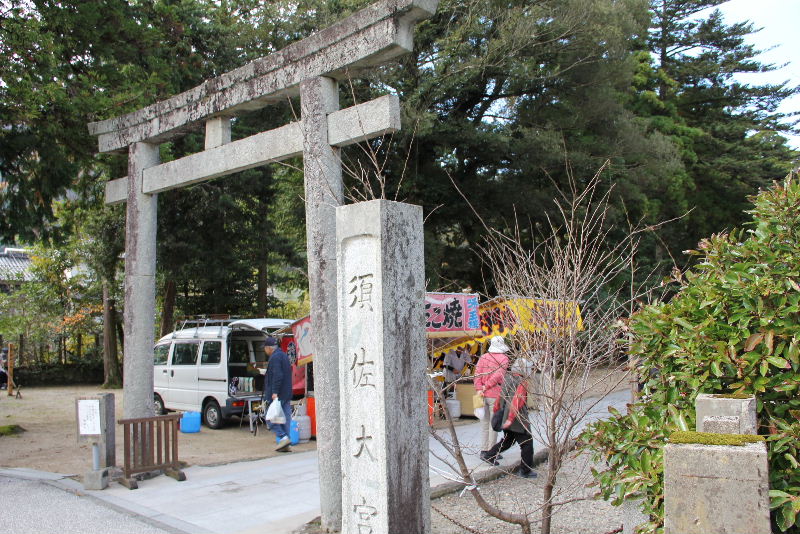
(311, 67)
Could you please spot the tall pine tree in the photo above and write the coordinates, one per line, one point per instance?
(728, 132)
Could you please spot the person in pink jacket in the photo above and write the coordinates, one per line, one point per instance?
(489, 375)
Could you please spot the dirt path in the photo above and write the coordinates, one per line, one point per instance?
(50, 443)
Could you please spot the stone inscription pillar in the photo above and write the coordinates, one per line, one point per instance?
(716, 488)
(385, 486)
(140, 284)
(323, 185)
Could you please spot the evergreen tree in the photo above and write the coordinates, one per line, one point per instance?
(729, 132)
(504, 100)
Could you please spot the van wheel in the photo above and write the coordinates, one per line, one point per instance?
(212, 415)
(158, 404)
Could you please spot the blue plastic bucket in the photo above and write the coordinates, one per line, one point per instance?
(190, 422)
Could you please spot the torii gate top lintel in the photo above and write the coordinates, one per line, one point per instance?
(370, 37)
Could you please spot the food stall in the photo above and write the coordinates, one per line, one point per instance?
(504, 317)
(454, 323)
(447, 316)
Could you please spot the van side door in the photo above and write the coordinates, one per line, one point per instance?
(182, 393)
(160, 369)
(213, 374)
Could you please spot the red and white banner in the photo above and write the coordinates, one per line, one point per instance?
(301, 330)
(451, 315)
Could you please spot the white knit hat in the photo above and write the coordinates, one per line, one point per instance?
(498, 344)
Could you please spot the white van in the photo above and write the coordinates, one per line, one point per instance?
(201, 368)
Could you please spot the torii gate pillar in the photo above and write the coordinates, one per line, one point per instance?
(322, 168)
(140, 284)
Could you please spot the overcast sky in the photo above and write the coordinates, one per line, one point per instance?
(780, 20)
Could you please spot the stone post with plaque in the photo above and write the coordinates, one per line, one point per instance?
(95, 419)
(381, 289)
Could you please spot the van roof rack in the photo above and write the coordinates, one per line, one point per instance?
(200, 321)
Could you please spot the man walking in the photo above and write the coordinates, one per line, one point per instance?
(278, 385)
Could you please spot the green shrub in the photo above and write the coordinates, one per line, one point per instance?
(87, 371)
(733, 328)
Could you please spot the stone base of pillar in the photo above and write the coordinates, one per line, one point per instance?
(96, 479)
(716, 488)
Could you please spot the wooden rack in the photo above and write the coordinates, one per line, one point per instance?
(151, 444)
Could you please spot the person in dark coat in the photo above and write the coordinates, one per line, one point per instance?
(278, 385)
(516, 426)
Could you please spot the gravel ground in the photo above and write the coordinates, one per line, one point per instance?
(32, 507)
(516, 494)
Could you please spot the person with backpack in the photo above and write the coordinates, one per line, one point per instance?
(511, 416)
(489, 374)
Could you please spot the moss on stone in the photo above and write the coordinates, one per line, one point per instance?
(732, 396)
(10, 430)
(710, 438)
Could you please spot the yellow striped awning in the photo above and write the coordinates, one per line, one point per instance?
(503, 316)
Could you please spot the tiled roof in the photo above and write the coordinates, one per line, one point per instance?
(14, 265)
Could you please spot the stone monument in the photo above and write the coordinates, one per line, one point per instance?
(311, 68)
(385, 487)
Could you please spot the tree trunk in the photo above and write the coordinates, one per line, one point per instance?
(111, 373)
(120, 331)
(262, 289)
(79, 347)
(663, 52)
(547, 507)
(168, 312)
(21, 348)
(553, 464)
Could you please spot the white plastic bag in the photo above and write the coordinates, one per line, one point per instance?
(275, 413)
(480, 413)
